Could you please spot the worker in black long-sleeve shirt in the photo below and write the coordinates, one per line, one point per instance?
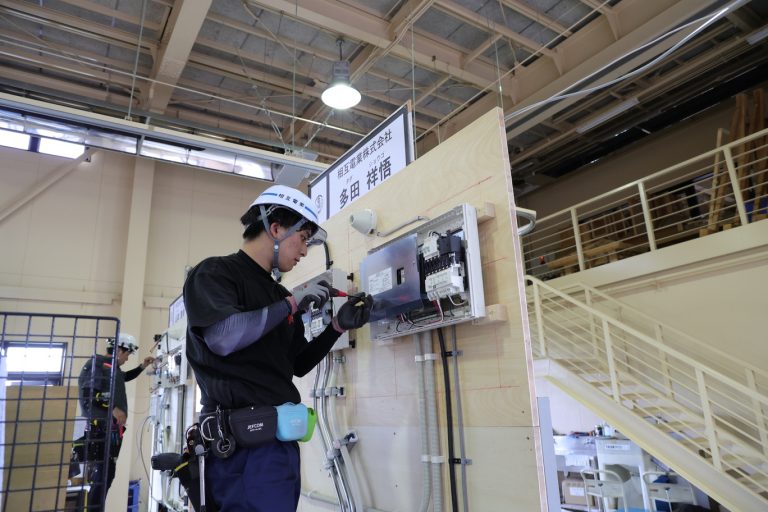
(94, 395)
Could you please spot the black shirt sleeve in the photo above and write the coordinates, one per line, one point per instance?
(132, 374)
(314, 351)
(210, 294)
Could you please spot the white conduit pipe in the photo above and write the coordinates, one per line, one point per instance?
(432, 423)
(344, 497)
(318, 394)
(347, 464)
(426, 466)
(322, 498)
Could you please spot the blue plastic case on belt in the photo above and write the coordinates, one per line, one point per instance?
(293, 422)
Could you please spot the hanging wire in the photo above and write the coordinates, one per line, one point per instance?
(707, 19)
(413, 86)
(136, 61)
(160, 82)
(293, 82)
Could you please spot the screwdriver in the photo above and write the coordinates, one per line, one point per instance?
(338, 293)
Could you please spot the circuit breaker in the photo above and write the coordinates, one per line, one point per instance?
(317, 319)
(427, 278)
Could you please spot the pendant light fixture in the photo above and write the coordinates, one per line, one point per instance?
(340, 94)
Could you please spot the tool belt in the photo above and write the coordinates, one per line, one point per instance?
(250, 427)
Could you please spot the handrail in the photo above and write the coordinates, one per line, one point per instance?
(711, 411)
(669, 328)
(724, 187)
(654, 343)
(667, 170)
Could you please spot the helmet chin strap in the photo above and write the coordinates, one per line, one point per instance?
(276, 274)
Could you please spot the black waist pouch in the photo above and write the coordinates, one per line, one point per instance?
(253, 426)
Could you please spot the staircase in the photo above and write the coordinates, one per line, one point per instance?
(693, 407)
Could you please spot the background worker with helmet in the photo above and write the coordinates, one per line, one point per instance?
(245, 345)
(94, 397)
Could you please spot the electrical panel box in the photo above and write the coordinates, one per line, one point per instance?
(172, 367)
(427, 278)
(316, 320)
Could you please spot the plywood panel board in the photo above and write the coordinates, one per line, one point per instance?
(381, 380)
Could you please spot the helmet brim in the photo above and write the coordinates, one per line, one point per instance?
(319, 237)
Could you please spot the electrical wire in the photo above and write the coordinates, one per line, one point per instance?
(449, 420)
(708, 20)
(560, 96)
(138, 53)
(140, 435)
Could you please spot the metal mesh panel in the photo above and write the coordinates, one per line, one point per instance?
(40, 418)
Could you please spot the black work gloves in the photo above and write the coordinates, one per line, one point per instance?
(313, 292)
(355, 312)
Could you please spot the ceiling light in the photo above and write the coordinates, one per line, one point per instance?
(607, 115)
(340, 95)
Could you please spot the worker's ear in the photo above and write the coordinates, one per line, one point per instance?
(275, 229)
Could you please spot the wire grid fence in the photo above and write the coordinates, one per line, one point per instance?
(720, 419)
(42, 356)
(718, 190)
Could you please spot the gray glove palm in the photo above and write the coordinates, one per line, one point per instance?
(307, 294)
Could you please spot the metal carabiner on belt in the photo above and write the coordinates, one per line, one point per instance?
(225, 445)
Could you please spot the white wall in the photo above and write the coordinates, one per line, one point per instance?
(64, 252)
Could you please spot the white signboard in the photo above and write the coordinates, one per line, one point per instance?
(176, 311)
(373, 160)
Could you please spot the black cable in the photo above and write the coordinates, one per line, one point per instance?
(449, 419)
(328, 261)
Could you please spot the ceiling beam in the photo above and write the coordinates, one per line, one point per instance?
(611, 17)
(74, 24)
(589, 50)
(482, 22)
(91, 6)
(538, 17)
(310, 50)
(184, 24)
(339, 18)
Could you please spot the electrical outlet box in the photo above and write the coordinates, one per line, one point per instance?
(316, 320)
(427, 278)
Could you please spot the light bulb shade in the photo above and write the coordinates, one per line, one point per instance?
(341, 95)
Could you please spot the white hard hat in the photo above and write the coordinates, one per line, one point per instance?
(126, 341)
(280, 196)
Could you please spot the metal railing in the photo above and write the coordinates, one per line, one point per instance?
(715, 358)
(722, 188)
(710, 413)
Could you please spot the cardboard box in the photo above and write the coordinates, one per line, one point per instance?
(573, 491)
(38, 433)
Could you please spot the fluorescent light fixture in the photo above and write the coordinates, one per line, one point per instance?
(108, 132)
(607, 115)
(60, 148)
(340, 95)
(14, 139)
(758, 35)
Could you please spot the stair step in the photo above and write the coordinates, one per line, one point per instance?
(643, 396)
(673, 413)
(678, 426)
(757, 482)
(589, 365)
(742, 460)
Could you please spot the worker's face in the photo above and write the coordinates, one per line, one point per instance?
(292, 249)
(122, 356)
